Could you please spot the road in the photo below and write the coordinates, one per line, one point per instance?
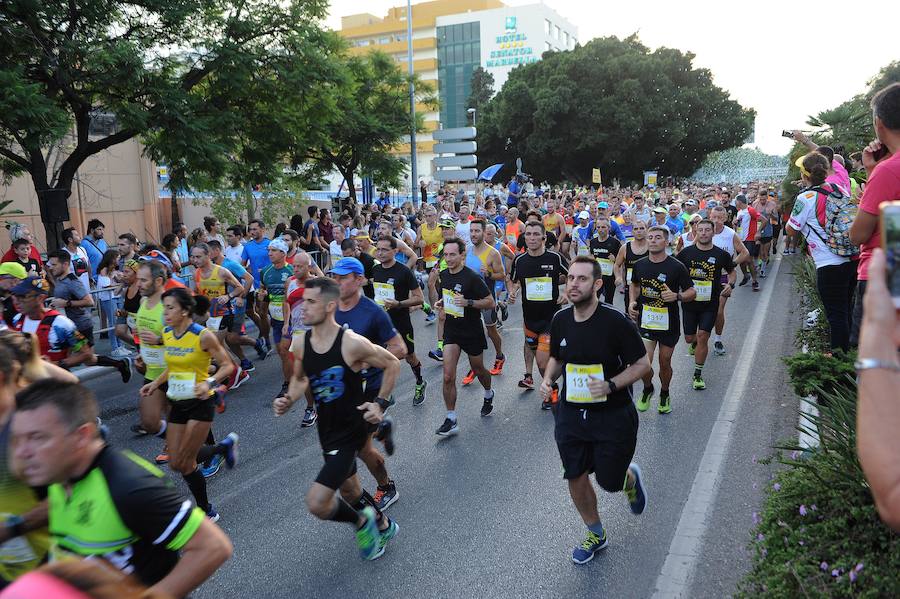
(487, 513)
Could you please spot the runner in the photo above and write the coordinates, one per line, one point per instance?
(686, 239)
(601, 354)
(768, 210)
(604, 248)
(213, 281)
(126, 323)
(746, 224)
(725, 237)
(507, 255)
(396, 290)
(430, 240)
(189, 390)
(447, 231)
(272, 281)
(706, 264)
(538, 273)
(293, 319)
(255, 257)
(654, 305)
(628, 255)
(581, 235)
(109, 504)
(328, 359)
(463, 295)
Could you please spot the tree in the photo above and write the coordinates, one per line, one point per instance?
(611, 104)
(482, 89)
(79, 77)
(371, 118)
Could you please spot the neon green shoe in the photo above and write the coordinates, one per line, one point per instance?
(699, 383)
(665, 404)
(643, 404)
(692, 347)
(368, 539)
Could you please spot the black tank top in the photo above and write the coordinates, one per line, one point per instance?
(131, 304)
(337, 390)
(631, 257)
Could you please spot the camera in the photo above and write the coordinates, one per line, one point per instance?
(786, 133)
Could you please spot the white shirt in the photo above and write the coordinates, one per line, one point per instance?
(725, 240)
(334, 248)
(462, 231)
(84, 277)
(233, 253)
(803, 219)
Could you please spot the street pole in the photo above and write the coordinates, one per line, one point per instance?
(414, 180)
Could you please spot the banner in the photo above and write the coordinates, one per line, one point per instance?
(595, 176)
(650, 178)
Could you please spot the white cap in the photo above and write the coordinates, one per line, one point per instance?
(584, 214)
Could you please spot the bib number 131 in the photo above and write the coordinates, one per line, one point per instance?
(577, 378)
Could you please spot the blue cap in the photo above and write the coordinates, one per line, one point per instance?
(603, 205)
(346, 266)
(159, 257)
(30, 285)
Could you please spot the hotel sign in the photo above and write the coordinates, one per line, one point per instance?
(511, 50)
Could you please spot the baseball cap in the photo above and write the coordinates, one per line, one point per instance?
(695, 217)
(584, 214)
(278, 244)
(346, 266)
(29, 285)
(447, 223)
(690, 202)
(603, 205)
(158, 256)
(12, 269)
(659, 210)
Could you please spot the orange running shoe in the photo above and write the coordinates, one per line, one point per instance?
(163, 457)
(469, 378)
(498, 366)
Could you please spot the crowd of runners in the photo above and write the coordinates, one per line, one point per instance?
(608, 282)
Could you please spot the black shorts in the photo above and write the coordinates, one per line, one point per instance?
(667, 338)
(705, 321)
(340, 464)
(473, 345)
(598, 441)
(88, 334)
(753, 248)
(765, 240)
(191, 409)
(408, 339)
(163, 387)
(233, 323)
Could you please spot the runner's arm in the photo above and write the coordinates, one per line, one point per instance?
(210, 344)
(232, 281)
(416, 298)
(618, 267)
(207, 549)
(35, 518)
(361, 350)
(743, 254)
(299, 382)
(410, 255)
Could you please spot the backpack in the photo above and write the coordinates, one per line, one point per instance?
(835, 213)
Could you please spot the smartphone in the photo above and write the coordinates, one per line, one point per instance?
(881, 153)
(788, 134)
(890, 241)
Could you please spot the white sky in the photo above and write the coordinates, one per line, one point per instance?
(787, 59)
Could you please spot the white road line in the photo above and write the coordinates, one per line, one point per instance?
(684, 552)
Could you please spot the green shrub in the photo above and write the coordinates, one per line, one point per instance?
(815, 371)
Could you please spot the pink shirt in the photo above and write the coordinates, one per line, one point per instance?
(883, 186)
(840, 177)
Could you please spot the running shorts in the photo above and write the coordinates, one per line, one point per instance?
(277, 327)
(340, 464)
(233, 323)
(666, 338)
(753, 248)
(473, 345)
(408, 339)
(705, 321)
(191, 409)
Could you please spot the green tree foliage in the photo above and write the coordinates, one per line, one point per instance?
(170, 70)
(614, 104)
(482, 90)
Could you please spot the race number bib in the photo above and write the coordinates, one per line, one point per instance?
(577, 378)
(451, 309)
(276, 310)
(213, 323)
(655, 319)
(153, 356)
(383, 291)
(606, 266)
(539, 289)
(16, 550)
(704, 290)
(181, 385)
(583, 250)
(628, 276)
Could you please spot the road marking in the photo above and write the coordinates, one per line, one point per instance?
(684, 552)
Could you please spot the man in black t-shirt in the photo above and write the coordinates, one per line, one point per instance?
(463, 295)
(396, 290)
(604, 249)
(658, 283)
(600, 353)
(537, 274)
(350, 249)
(705, 263)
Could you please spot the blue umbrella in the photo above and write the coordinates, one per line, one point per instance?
(490, 172)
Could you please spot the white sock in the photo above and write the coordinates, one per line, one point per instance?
(716, 338)
(162, 428)
(452, 415)
(489, 394)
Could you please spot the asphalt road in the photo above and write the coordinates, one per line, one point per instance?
(487, 513)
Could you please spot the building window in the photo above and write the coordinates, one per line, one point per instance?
(547, 27)
(565, 39)
(362, 43)
(384, 40)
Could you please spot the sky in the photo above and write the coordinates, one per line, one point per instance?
(787, 59)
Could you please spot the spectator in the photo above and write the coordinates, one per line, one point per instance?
(326, 227)
(22, 255)
(94, 244)
(310, 238)
(297, 223)
(877, 441)
(127, 248)
(211, 224)
(423, 191)
(837, 171)
(108, 300)
(280, 228)
(334, 248)
(10, 276)
(69, 294)
(198, 235)
(170, 248)
(81, 264)
(180, 230)
(233, 248)
(20, 231)
(883, 186)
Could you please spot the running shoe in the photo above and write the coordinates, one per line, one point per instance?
(644, 402)
(591, 545)
(552, 400)
(124, 368)
(744, 281)
(367, 537)
(138, 429)
(247, 365)
(212, 514)
(430, 318)
(719, 348)
(230, 443)
(241, 378)
(527, 382)
(260, 347)
(762, 271)
(487, 407)
(498, 366)
(163, 457)
(120, 352)
(504, 311)
(692, 348)
(699, 384)
(309, 418)
(419, 396)
(469, 378)
(665, 404)
(637, 497)
(388, 533)
(215, 464)
(450, 427)
(755, 285)
(436, 354)
(386, 496)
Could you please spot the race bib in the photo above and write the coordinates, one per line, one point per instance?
(577, 378)
(213, 323)
(606, 266)
(430, 262)
(276, 310)
(539, 289)
(583, 250)
(181, 385)
(704, 290)
(655, 319)
(153, 356)
(383, 291)
(16, 550)
(628, 276)
(131, 321)
(451, 309)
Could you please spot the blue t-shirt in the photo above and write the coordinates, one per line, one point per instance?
(675, 225)
(257, 254)
(94, 248)
(616, 230)
(238, 271)
(368, 319)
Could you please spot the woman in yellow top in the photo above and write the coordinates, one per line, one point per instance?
(189, 349)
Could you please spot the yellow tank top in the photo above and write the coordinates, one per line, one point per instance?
(212, 287)
(433, 239)
(151, 319)
(551, 222)
(187, 361)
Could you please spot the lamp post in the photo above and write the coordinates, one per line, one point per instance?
(472, 111)
(414, 180)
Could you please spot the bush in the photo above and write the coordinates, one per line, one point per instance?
(814, 372)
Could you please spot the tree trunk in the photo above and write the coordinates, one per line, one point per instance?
(49, 201)
(174, 209)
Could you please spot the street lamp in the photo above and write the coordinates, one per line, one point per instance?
(472, 111)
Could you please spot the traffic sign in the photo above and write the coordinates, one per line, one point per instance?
(458, 174)
(461, 160)
(456, 147)
(459, 133)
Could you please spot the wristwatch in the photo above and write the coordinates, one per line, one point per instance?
(15, 524)
(211, 382)
(383, 403)
(612, 385)
(470, 303)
